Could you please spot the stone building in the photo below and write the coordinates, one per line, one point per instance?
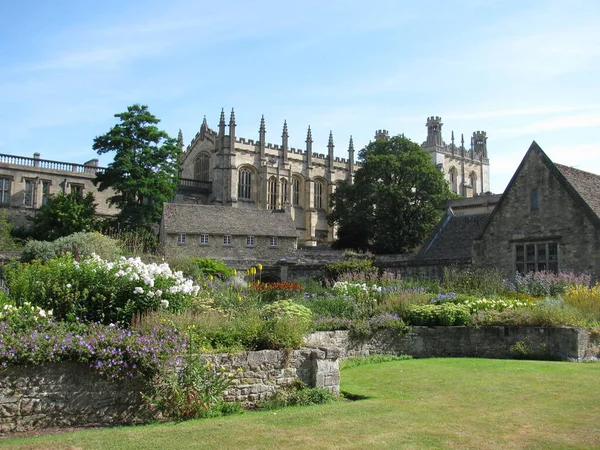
(466, 169)
(231, 234)
(26, 183)
(547, 219)
(220, 168)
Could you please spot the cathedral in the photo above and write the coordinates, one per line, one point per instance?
(220, 168)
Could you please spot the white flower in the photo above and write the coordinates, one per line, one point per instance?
(158, 293)
(138, 290)
(68, 285)
(164, 303)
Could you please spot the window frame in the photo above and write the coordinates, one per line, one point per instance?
(319, 194)
(227, 239)
(5, 186)
(204, 239)
(536, 256)
(245, 184)
(181, 239)
(28, 192)
(272, 193)
(45, 191)
(202, 167)
(273, 241)
(76, 188)
(250, 242)
(296, 191)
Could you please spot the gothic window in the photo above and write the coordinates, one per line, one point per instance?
(245, 184)
(28, 199)
(202, 167)
(296, 191)
(453, 178)
(45, 192)
(4, 190)
(272, 193)
(284, 191)
(319, 193)
(473, 181)
(535, 257)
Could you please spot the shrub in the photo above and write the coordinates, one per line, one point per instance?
(446, 314)
(30, 335)
(361, 267)
(193, 391)
(285, 324)
(330, 305)
(585, 298)
(95, 290)
(552, 313)
(372, 359)
(270, 292)
(81, 245)
(473, 281)
(545, 284)
(297, 394)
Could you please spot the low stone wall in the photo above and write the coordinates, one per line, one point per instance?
(483, 342)
(70, 394)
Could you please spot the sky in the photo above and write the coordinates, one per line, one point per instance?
(520, 70)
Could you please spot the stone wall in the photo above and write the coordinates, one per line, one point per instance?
(484, 342)
(70, 394)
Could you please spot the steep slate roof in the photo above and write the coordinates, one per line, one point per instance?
(196, 219)
(586, 184)
(583, 187)
(453, 237)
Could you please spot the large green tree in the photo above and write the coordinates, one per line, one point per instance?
(395, 201)
(144, 171)
(65, 214)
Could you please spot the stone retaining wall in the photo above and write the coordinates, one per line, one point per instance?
(484, 342)
(70, 394)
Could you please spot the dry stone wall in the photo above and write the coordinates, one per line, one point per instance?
(70, 394)
(484, 342)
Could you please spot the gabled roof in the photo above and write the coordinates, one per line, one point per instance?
(196, 219)
(453, 237)
(583, 187)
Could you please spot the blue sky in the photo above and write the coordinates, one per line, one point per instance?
(520, 70)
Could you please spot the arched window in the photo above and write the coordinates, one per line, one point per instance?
(296, 191)
(272, 193)
(319, 194)
(202, 167)
(245, 184)
(285, 191)
(453, 178)
(473, 181)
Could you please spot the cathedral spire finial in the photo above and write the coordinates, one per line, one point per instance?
(262, 124)
(180, 140)
(232, 118)
(330, 144)
(309, 135)
(285, 129)
(462, 140)
(452, 138)
(222, 118)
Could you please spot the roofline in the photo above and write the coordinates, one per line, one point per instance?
(535, 148)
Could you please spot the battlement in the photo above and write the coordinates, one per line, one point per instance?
(434, 119)
(382, 135)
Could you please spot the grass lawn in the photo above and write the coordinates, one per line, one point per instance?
(426, 403)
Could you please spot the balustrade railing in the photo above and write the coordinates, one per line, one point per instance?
(195, 185)
(48, 164)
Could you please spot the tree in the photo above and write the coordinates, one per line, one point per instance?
(65, 214)
(395, 201)
(145, 169)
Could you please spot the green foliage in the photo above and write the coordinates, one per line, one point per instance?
(137, 242)
(548, 313)
(144, 171)
(446, 314)
(212, 267)
(484, 282)
(285, 324)
(372, 359)
(80, 245)
(395, 200)
(94, 290)
(65, 214)
(361, 267)
(297, 394)
(7, 242)
(193, 391)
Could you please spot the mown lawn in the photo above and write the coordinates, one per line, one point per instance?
(427, 403)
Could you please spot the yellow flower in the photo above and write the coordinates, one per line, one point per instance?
(239, 298)
(210, 277)
(234, 272)
(259, 267)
